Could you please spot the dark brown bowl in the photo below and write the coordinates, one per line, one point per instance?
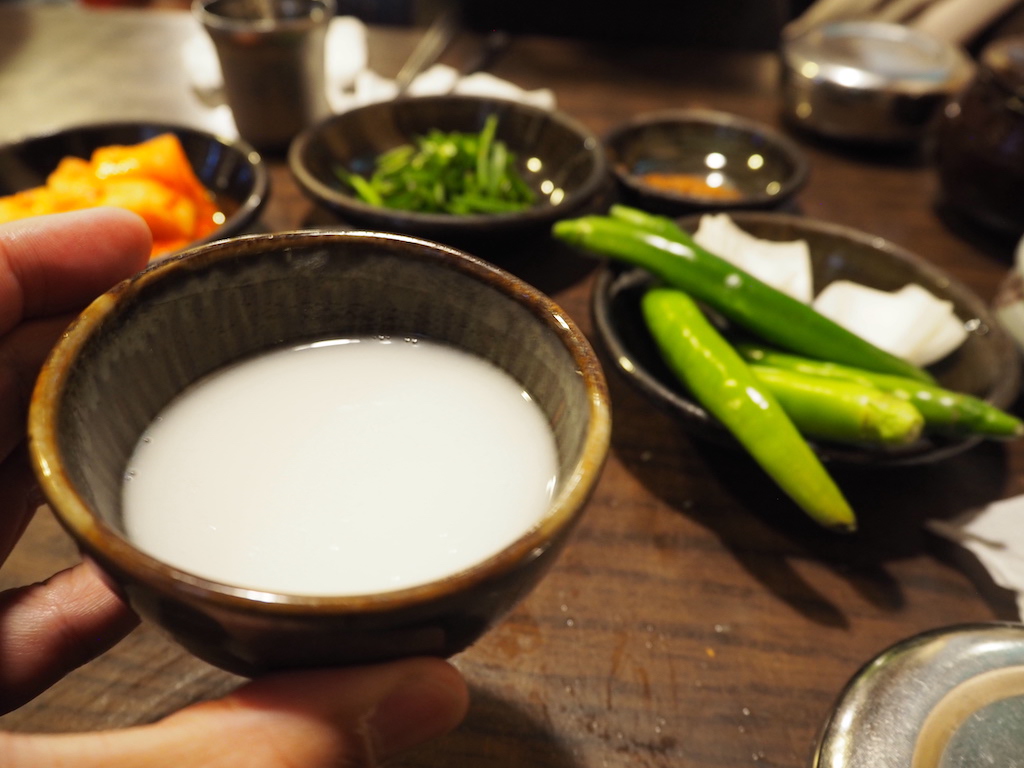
(987, 365)
(150, 337)
(232, 170)
(763, 167)
(559, 159)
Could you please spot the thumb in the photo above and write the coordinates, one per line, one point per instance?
(316, 719)
(386, 709)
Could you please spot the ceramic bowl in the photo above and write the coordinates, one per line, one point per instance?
(231, 169)
(152, 336)
(986, 365)
(977, 144)
(713, 160)
(560, 159)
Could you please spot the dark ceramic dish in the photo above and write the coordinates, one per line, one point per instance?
(232, 170)
(762, 167)
(986, 365)
(977, 144)
(559, 159)
(150, 337)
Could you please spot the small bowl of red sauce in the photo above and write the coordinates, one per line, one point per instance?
(682, 161)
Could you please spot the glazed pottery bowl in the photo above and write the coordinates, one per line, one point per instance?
(149, 338)
(557, 157)
(680, 161)
(231, 169)
(977, 144)
(986, 365)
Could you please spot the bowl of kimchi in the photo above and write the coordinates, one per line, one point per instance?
(189, 185)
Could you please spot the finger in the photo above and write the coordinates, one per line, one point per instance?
(16, 485)
(22, 352)
(48, 629)
(324, 719)
(58, 263)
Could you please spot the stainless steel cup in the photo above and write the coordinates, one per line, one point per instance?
(271, 55)
(869, 82)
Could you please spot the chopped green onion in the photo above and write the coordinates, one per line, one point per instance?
(439, 172)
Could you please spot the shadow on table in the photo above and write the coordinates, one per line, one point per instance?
(999, 246)
(497, 731)
(765, 531)
(542, 262)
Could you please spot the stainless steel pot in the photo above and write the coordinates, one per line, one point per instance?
(869, 81)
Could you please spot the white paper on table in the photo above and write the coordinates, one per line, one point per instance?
(994, 535)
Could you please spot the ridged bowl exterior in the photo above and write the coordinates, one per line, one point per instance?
(150, 337)
(561, 160)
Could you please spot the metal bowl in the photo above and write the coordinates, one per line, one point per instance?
(949, 696)
(869, 82)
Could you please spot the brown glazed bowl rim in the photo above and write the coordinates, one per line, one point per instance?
(348, 203)
(115, 554)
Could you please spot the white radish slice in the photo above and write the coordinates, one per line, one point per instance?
(786, 266)
(911, 323)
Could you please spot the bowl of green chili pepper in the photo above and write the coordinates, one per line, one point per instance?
(458, 168)
(959, 400)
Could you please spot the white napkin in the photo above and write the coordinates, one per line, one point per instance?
(993, 534)
(350, 82)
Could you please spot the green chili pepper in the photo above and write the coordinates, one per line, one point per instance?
(842, 411)
(660, 225)
(670, 254)
(362, 187)
(944, 411)
(723, 383)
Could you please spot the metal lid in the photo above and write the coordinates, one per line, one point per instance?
(943, 699)
(869, 81)
(878, 56)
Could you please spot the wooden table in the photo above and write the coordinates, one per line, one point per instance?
(696, 619)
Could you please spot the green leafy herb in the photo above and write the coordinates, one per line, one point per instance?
(445, 172)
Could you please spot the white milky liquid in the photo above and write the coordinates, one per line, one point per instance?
(344, 467)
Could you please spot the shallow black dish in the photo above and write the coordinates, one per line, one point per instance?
(559, 158)
(986, 365)
(231, 169)
(762, 166)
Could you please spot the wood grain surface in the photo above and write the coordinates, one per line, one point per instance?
(696, 618)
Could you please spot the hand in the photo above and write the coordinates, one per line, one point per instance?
(49, 268)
